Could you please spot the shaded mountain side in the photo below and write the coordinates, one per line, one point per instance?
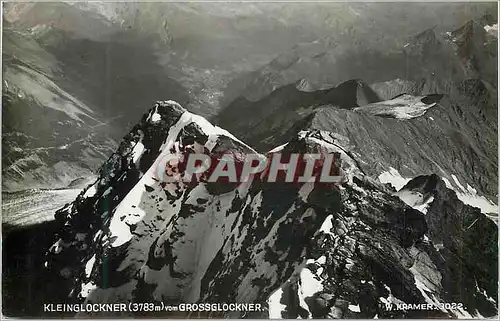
(26, 285)
(468, 52)
(350, 94)
(462, 220)
(289, 104)
(94, 71)
(58, 15)
(352, 246)
(43, 148)
(476, 48)
(50, 137)
(68, 99)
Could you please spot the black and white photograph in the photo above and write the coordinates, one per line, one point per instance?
(249, 160)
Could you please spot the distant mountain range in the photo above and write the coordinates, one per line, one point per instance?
(468, 52)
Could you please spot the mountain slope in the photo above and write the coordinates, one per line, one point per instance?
(67, 96)
(130, 237)
(450, 129)
(50, 137)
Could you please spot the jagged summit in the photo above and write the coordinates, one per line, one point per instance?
(350, 94)
(470, 30)
(427, 37)
(133, 207)
(304, 85)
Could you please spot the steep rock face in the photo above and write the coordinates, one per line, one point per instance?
(298, 249)
(365, 260)
(463, 238)
(476, 49)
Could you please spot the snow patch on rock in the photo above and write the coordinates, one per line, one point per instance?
(470, 197)
(275, 307)
(415, 200)
(402, 107)
(89, 266)
(394, 178)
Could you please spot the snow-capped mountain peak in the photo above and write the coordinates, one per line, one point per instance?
(131, 237)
